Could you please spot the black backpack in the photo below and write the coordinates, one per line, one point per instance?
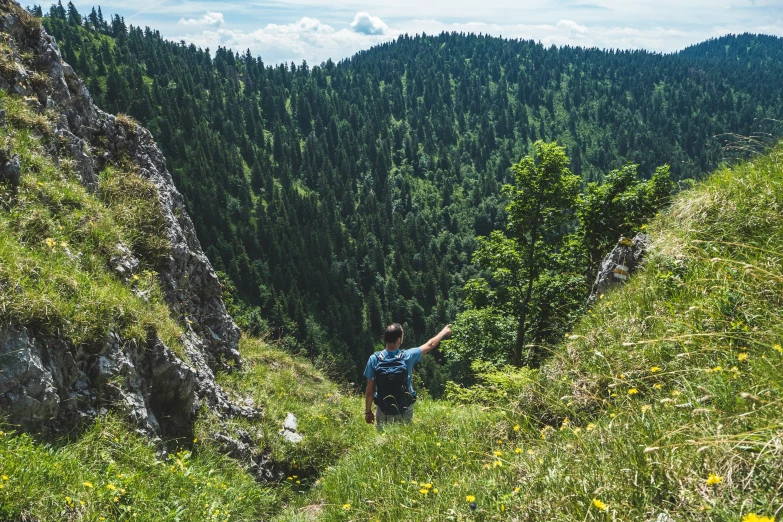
(391, 383)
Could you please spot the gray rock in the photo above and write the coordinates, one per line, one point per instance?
(664, 517)
(11, 171)
(290, 423)
(618, 265)
(289, 431)
(124, 263)
(28, 394)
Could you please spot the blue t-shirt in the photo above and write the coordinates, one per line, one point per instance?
(411, 357)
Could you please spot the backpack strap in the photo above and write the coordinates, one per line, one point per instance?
(380, 356)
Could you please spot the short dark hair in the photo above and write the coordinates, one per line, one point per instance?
(392, 333)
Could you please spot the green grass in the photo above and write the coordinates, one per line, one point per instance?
(280, 383)
(56, 240)
(111, 473)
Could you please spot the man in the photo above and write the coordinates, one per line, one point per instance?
(393, 370)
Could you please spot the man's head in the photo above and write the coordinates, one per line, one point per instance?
(393, 335)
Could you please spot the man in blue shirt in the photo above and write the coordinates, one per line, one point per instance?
(393, 337)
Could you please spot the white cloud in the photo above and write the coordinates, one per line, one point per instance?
(366, 24)
(574, 28)
(211, 19)
(307, 39)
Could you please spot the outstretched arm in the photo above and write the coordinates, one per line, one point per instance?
(435, 341)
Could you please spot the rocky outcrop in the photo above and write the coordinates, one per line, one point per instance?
(48, 386)
(618, 265)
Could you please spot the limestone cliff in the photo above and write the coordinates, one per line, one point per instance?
(50, 386)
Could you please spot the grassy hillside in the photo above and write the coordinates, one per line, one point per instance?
(665, 398)
(112, 473)
(56, 240)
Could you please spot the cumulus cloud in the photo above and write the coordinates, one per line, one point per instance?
(307, 39)
(211, 19)
(371, 25)
(574, 28)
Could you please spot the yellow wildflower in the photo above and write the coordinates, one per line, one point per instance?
(87, 484)
(518, 450)
(600, 505)
(497, 453)
(346, 506)
(658, 386)
(752, 517)
(777, 348)
(434, 490)
(713, 479)
(470, 498)
(742, 357)
(111, 487)
(497, 464)
(5, 477)
(424, 491)
(516, 428)
(516, 489)
(49, 242)
(590, 426)
(646, 408)
(655, 369)
(633, 391)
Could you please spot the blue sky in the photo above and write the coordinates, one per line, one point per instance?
(296, 30)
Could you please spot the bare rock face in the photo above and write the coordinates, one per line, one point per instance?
(617, 266)
(49, 387)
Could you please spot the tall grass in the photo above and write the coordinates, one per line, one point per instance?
(57, 239)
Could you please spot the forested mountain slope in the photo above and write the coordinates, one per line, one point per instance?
(339, 197)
